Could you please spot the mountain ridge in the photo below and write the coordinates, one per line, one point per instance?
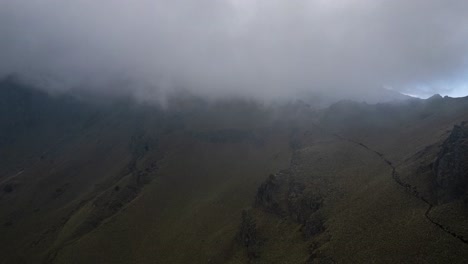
(229, 182)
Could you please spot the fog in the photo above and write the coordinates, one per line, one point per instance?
(254, 48)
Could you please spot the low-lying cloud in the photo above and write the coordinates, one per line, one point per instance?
(216, 48)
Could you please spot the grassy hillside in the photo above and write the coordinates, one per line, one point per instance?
(230, 182)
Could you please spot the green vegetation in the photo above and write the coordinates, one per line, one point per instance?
(229, 182)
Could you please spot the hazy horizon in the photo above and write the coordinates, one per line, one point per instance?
(259, 49)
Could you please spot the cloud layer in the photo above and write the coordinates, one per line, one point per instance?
(216, 48)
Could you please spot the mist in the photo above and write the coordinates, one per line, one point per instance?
(262, 49)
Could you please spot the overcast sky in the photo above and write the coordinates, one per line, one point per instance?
(260, 48)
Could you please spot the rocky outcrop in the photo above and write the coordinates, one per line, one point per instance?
(313, 226)
(280, 194)
(457, 136)
(248, 236)
(270, 194)
(451, 166)
(302, 202)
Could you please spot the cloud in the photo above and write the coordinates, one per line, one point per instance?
(259, 48)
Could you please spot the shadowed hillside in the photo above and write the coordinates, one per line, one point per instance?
(231, 181)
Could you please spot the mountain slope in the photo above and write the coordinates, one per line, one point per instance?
(230, 181)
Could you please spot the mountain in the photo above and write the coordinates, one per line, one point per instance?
(231, 181)
(321, 100)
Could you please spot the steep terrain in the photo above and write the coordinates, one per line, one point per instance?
(231, 181)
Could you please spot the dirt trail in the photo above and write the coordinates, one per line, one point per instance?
(7, 179)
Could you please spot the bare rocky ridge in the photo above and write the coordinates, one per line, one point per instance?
(285, 197)
(451, 166)
(248, 235)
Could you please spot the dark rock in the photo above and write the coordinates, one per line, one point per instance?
(248, 236)
(8, 188)
(280, 194)
(111, 201)
(302, 203)
(58, 192)
(269, 195)
(451, 166)
(313, 226)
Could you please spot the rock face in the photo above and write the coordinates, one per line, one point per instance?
(269, 194)
(451, 166)
(280, 194)
(248, 236)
